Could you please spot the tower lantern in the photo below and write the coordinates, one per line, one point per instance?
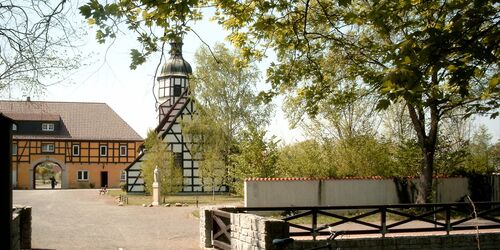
(173, 79)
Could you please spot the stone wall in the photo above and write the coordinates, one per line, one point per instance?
(459, 242)
(248, 231)
(21, 227)
(16, 232)
(205, 227)
(252, 232)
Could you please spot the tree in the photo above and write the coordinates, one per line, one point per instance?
(433, 56)
(157, 155)
(481, 157)
(337, 117)
(256, 157)
(42, 171)
(36, 44)
(226, 104)
(305, 159)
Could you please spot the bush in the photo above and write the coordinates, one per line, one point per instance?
(123, 186)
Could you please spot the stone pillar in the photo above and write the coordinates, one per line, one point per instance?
(206, 227)
(156, 194)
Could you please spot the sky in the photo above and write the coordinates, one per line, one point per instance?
(107, 78)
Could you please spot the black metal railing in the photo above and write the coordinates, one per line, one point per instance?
(445, 217)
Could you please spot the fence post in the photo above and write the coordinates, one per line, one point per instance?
(314, 222)
(448, 219)
(383, 218)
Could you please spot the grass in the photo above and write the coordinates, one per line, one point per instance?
(139, 199)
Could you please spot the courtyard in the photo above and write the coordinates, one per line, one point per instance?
(83, 219)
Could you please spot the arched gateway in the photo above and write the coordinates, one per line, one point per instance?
(51, 161)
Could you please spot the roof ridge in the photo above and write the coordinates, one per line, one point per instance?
(79, 102)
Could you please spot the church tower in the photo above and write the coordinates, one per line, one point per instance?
(173, 79)
(175, 105)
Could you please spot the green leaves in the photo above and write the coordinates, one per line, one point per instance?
(137, 58)
(153, 22)
(383, 104)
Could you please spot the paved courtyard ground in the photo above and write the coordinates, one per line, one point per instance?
(83, 219)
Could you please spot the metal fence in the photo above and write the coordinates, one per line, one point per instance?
(445, 217)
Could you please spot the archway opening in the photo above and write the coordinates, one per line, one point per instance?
(47, 175)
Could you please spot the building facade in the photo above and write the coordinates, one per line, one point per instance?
(89, 143)
(175, 105)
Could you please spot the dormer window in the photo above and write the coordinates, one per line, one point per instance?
(47, 126)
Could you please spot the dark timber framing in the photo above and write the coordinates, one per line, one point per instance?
(26, 148)
(169, 131)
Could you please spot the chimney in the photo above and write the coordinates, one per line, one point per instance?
(28, 99)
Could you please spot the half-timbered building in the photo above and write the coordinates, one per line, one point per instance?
(175, 105)
(89, 142)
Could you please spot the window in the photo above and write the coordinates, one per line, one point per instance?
(123, 150)
(47, 126)
(76, 150)
(47, 147)
(123, 175)
(14, 127)
(83, 175)
(103, 150)
(14, 149)
(178, 159)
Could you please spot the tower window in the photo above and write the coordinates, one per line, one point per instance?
(177, 86)
(177, 90)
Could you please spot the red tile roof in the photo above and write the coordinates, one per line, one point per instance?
(80, 120)
(33, 117)
(340, 178)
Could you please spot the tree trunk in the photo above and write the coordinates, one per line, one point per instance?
(425, 185)
(427, 142)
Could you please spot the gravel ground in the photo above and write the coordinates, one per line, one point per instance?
(83, 219)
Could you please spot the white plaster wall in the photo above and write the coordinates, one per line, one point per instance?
(274, 193)
(359, 192)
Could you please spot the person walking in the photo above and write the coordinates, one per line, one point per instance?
(52, 182)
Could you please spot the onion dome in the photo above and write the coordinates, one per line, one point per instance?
(176, 65)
